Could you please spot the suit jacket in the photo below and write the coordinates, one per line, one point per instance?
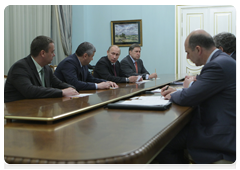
(23, 82)
(212, 135)
(234, 55)
(70, 71)
(129, 69)
(104, 69)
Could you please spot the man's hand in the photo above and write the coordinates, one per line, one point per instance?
(113, 84)
(107, 85)
(188, 80)
(153, 75)
(166, 93)
(69, 92)
(133, 79)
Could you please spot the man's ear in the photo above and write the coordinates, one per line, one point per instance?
(42, 52)
(85, 55)
(199, 49)
(220, 48)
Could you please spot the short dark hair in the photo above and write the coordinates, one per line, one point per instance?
(133, 46)
(40, 43)
(205, 41)
(225, 40)
(85, 47)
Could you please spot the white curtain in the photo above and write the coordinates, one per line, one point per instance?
(62, 31)
(22, 23)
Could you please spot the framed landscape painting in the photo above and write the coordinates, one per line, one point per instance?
(125, 33)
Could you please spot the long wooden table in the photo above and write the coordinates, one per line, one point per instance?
(90, 132)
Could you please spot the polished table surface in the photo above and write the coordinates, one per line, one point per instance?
(97, 135)
(52, 109)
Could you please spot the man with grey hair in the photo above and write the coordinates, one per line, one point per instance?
(74, 70)
(226, 42)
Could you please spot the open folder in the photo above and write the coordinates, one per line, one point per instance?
(142, 103)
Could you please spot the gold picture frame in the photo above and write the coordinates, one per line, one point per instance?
(126, 33)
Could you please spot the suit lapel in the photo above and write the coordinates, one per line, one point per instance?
(46, 76)
(131, 62)
(34, 70)
(117, 68)
(80, 71)
(84, 71)
(110, 65)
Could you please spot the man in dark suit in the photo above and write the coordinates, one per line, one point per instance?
(226, 42)
(211, 134)
(31, 77)
(74, 70)
(108, 67)
(132, 65)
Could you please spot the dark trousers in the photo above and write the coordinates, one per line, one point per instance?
(175, 151)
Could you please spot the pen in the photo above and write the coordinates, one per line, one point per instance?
(166, 88)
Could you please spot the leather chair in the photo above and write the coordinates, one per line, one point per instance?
(53, 67)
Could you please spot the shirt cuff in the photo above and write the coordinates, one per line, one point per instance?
(190, 83)
(147, 76)
(96, 85)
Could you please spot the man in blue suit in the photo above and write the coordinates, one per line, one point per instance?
(74, 70)
(211, 134)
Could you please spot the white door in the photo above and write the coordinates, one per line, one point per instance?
(212, 19)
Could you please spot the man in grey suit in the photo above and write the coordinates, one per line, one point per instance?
(31, 77)
(226, 42)
(132, 65)
(211, 134)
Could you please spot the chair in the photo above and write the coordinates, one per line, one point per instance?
(221, 164)
(53, 67)
(91, 68)
(5, 79)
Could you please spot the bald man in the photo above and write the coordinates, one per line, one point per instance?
(108, 67)
(211, 134)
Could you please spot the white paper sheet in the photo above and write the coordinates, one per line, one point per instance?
(81, 95)
(146, 100)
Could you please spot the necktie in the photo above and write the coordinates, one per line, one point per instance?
(114, 70)
(83, 78)
(42, 77)
(136, 67)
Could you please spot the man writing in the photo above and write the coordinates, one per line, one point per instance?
(211, 134)
(31, 77)
(108, 67)
(74, 70)
(132, 65)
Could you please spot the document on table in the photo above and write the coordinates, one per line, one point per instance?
(138, 78)
(81, 95)
(144, 81)
(156, 91)
(146, 100)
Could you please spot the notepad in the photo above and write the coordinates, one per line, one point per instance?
(142, 102)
